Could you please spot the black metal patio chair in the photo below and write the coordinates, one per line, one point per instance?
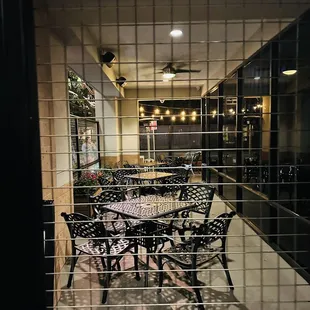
(201, 195)
(197, 251)
(98, 243)
(119, 176)
(173, 184)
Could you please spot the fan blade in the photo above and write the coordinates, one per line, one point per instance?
(186, 71)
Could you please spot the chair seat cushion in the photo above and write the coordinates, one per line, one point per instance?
(182, 253)
(99, 249)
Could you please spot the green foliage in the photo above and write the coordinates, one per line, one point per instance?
(81, 96)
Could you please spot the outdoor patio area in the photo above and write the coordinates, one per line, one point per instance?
(262, 280)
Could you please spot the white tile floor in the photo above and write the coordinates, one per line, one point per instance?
(262, 280)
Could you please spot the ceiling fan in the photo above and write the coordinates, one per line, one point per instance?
(170, 71)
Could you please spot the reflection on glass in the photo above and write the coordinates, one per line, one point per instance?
(88, 142)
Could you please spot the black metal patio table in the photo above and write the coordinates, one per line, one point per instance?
(149, 207)
(151, 177)
(154, 212)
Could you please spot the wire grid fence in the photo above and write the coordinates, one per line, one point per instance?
(252, 126)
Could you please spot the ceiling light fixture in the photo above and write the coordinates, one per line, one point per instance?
(156, 111)
(161, 117)
(289, 68)
(141, 109)
(176, 33)
(183, 113)
(168, 75)
(257, 78)
(167, 112)
(183, 118)
(193, 118)
(289, 72)
(194, 113)
(173, 118)
(142, 114)
(153, 115)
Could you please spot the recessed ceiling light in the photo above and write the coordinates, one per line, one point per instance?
(257, 78)
(289, 72)
(176, 33)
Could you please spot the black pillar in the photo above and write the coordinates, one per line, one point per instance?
(208, 111)
(273, 152)
(240, 83)
(203, 139)
(220, 109)
(21, 185)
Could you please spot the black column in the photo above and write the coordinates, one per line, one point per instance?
(21, 185)
(273, 152)
(203, 139)
(220, 109)
(208, 119)
(239, 163)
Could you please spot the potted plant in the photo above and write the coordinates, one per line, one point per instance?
(84, 187)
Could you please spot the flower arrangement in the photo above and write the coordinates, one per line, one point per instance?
(87, 184)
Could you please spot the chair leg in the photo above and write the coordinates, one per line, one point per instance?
(74, 259)
(118, 266)
(181, 233)
(146, 277)
(106, 282)
(136, 261)
(103, 263)
(225, 266)
(194, 281)
(160, 273)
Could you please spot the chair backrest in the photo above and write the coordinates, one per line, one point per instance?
(173, 184)
(214, 230)
(82, 226)
(188, 156)
(196, 157)
(105, 181)
(105, 197)
(183, 172)
(199, 194)
(119, 175)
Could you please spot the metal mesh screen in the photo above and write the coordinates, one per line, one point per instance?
(175, 153)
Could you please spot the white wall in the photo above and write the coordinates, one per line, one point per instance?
(130, 127)
(107, 112)
(60, 111)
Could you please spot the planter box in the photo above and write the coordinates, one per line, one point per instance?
(82, 204)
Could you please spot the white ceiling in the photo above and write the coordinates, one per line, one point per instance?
(218, 34)
(214, 48)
